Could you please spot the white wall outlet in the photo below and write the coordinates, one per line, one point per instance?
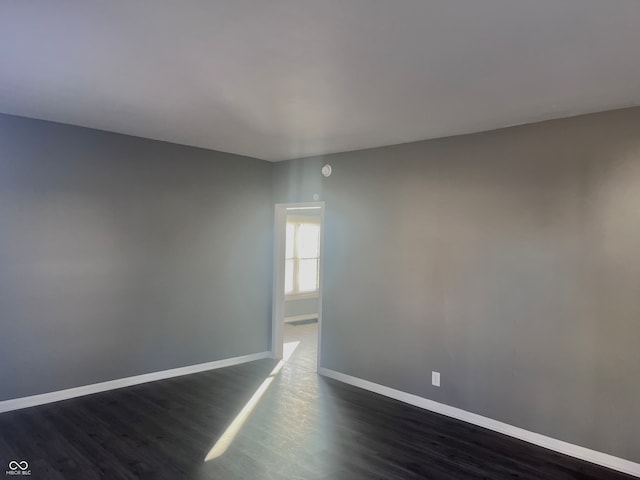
(435, 378)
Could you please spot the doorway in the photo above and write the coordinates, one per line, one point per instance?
(297, 291)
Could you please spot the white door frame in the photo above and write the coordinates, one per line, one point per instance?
(277, 314)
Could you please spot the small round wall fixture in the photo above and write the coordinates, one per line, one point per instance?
(326, 170)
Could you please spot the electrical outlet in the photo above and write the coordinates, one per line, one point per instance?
(435, 379)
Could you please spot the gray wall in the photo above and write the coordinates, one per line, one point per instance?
(300, 306)
(509, 261)
(121, 256)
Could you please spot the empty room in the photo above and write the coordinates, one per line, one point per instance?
(320, 240)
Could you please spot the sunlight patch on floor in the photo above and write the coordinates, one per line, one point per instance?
(232, 430)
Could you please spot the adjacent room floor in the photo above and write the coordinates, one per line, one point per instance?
(293, 425)
(302, 339)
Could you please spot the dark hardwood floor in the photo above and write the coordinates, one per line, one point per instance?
(304, 427)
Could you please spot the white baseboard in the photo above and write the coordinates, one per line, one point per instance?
(33, 400)
(297, 318)
(606, 460)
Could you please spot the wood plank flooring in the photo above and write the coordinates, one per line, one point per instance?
(304, 427)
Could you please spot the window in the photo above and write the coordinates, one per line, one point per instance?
(302, 255)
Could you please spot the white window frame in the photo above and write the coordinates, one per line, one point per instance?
(298, 220)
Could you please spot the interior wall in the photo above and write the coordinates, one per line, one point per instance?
(296, 306)
(509, 261)
(122, 256)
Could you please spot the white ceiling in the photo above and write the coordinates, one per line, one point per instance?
(281, 79)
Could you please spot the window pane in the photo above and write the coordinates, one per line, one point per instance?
(308, 240)
(288, 277)
(291, 228)
(308, 275)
